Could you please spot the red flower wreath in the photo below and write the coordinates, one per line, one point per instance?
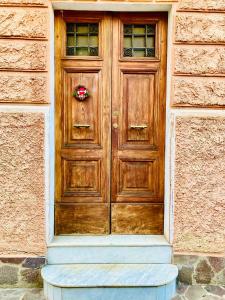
(81, 93)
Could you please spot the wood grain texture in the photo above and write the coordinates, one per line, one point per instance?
(137, 219)
(82, 219)
(138, 98)
(87, 179)
(83, 153)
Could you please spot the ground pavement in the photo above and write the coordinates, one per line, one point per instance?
(184, 292)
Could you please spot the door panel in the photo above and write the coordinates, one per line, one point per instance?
(137, 180)
(138, 110)
(110, 147)
(138, 106)
(83, 113)
(139, 103)
(137, 218)
(82, 178)
(83, 131)
(82, 219)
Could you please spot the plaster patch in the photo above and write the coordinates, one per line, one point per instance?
(200, 27)
(199, 212)
(199, 60)
(22, 199)
(23, 55)
(23, 22)
(22, 87)
(200, 91)
(202, 4)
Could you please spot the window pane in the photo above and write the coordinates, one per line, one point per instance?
(82, 39)
(139, 29)
(82, 51)
(150, 42)
(139, 40)
(71, 40)
(93, 40)
(139, 53)
(82, 28)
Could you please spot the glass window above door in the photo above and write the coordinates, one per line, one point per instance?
(82, 39)
(139, 40)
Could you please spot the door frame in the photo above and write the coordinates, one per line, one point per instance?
(169, 133)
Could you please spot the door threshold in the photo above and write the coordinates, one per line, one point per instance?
(109, 240)
(114, 249)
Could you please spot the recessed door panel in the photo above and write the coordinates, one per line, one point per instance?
(138, 181)
(138, 108)
(83, 118)
(82, 218)
(82, 178)
(137, 218)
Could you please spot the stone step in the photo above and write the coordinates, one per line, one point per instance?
(109, 281)
(109, 249)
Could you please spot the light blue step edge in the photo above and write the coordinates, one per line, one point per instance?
(110, 281)
(109, 250)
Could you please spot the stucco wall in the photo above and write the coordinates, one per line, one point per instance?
(24, 79)
(199, 184)
(22, 183)
(198, 70)
(198, 82)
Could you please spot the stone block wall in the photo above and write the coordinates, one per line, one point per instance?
(20, 272)
(197, 269)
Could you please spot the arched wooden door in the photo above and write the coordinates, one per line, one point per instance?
(110, 145)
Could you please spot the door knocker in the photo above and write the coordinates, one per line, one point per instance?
(81, 93)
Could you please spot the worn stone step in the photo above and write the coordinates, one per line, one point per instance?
(109, 249)
(110, 281)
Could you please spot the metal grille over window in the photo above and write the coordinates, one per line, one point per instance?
(139, 40)
(82, 39)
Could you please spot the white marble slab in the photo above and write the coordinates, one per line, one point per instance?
(109, 255)
(109, 240)
(144, 293)
(109, 275)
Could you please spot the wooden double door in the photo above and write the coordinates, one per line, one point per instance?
(110, 146)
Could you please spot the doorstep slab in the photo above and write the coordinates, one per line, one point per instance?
(109, 275)
(109, 240)
(107, 255)
(110, 281)
(153, 293)
(109, 249)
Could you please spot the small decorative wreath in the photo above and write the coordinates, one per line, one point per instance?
(81, 93)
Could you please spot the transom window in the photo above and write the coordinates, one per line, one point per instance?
(82, 39)
(139, 40)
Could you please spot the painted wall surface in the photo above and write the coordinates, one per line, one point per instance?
(198, 71)
(198, 82)
(24, 79)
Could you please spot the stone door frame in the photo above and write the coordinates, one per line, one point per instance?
(170, 141)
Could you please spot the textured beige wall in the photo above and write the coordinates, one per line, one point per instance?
(199, 54)
(202, 5)
(198, 70)
(24, 78)
(199, 184)
(24, 48)
(22, 224)
(198, 82)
